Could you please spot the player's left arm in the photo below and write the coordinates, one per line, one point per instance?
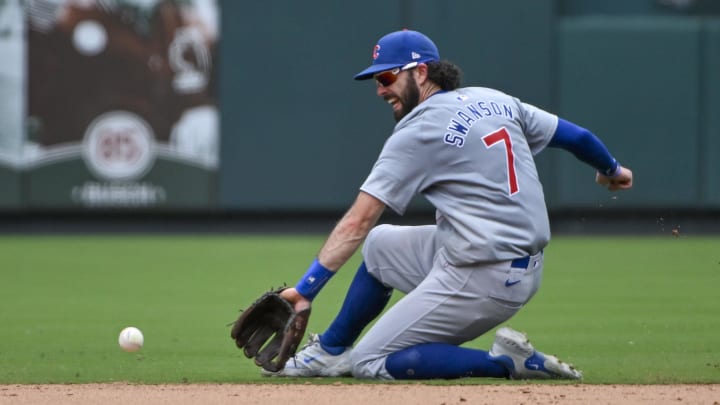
(589, 148)
(342, 243)
(351, 231)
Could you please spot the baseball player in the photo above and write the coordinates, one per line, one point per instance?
(469, 152)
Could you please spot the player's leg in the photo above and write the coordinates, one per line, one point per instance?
(387, 247)
(419, 337)
(327, 354)
(444, 361)
(365, 299)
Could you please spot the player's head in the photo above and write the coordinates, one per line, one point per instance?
(405, 50)
(400, 57)
(400, 49)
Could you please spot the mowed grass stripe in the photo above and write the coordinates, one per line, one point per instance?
(624, 310)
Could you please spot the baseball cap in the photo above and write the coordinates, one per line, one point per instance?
(397, 49)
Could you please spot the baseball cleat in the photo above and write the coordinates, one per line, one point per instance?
(517, 354)
(313, 361)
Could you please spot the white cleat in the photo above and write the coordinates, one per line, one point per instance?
(514, 351)
(313, 361)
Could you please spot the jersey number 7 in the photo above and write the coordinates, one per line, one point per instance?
(502, 135)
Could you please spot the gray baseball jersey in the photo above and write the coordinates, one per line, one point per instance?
(469, 152)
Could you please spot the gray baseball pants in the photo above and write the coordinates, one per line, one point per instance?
(443, 303)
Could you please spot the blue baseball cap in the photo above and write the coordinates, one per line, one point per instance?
(397, 49)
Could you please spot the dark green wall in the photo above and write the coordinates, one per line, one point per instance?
(709, 166)
(649, 87)
(637, 7)
(11, 192)
(634, 82)
(300, 134)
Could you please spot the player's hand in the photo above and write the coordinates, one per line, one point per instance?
(623, 181)
(299, 302)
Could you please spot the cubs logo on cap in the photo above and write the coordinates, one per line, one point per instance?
(375, 52)
(397, 49)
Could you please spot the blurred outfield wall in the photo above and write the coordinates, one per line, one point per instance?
(297, 134)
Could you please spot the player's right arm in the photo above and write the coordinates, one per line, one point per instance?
(589, 148)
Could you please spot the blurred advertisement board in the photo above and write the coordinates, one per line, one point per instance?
(113, 103)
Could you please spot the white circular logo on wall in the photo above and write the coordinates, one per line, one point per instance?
(118, 145)
(89, 38)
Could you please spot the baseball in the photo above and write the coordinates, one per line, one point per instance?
(131, 339)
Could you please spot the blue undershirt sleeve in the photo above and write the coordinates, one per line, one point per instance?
(585, 146)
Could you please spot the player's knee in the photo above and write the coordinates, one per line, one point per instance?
(373, 235)
(373, 247)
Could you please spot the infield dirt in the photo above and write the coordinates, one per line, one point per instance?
(339, 393)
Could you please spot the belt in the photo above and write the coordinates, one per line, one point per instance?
(521, 263)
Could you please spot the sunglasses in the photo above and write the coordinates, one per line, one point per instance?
(389, 77)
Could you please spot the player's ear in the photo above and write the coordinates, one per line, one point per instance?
(421, 73)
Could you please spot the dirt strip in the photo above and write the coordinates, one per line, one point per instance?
(339, 393)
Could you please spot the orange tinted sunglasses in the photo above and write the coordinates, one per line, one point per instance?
(389, 77)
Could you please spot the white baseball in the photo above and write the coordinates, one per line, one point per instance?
(131, 339)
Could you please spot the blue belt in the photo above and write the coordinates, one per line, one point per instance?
(521, 263)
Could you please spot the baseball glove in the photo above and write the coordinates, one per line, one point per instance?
(270, 330)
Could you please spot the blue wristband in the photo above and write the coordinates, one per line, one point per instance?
(613, 171)
(314, 280)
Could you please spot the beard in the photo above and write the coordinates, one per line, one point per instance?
(409, 99)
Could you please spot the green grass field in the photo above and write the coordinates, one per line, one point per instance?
(623, 309)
